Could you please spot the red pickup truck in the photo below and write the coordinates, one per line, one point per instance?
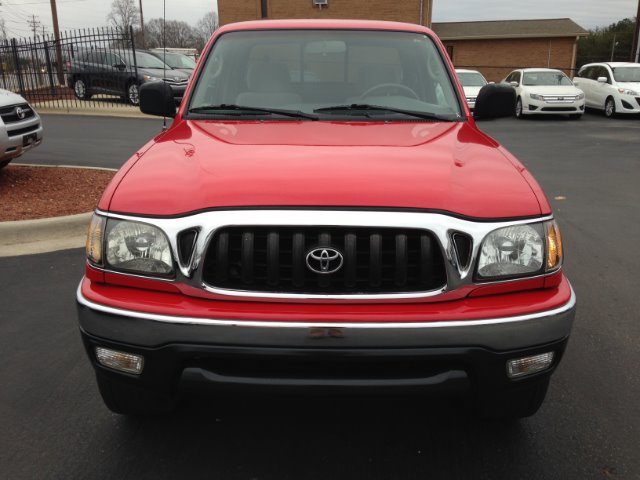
(324, 214)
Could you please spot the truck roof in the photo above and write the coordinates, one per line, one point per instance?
(310, 24)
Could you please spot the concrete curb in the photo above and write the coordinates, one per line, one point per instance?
(94, 113)
(26, 237)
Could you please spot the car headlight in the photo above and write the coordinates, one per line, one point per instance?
(580, 96)
(626, 91)
(149, 78)
(520, 251)
(135, 247)
(535, 96)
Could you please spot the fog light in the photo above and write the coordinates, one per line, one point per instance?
(125, 362)
(519, 367)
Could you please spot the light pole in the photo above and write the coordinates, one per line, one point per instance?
(613, 46)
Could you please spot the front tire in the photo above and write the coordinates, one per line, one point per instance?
(124, 397)
(610, 107)
(133, 94)
(81, 89)
(519, 401)
(518, 111)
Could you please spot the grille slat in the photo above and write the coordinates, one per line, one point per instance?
(376, 260)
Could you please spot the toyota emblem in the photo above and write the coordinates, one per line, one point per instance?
(20, 113)
(324, 260)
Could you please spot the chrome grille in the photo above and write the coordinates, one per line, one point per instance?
(274, 259)
(9, 114)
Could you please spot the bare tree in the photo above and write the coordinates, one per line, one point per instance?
(123, 14)
(178, 34)
(208, 24)
(3, 30)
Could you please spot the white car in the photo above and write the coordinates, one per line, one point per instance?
(545, 91)
(20, 127)
(472, 81)
(613, 86)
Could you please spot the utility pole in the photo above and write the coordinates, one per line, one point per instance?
(33, 25)
(142, 26)
(613, 46)
(56, 35)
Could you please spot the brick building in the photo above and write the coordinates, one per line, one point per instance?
(493, 47)
(497, 47)
(411, 11)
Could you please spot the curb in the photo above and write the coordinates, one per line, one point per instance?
(26, 237)
(93, 113)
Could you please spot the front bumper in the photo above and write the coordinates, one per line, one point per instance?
(13, 135)
(397, 356)
(541, 107)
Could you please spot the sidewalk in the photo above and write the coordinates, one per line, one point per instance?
(53, 107)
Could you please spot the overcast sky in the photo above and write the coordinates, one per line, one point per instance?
(92, 13)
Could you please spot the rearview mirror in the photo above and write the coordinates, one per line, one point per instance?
(156, 98)
(495, 101)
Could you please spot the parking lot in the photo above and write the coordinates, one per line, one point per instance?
(54, 424)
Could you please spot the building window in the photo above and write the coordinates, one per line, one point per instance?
(450, 51)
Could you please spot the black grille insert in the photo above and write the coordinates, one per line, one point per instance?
(9, 115)
(273, 259)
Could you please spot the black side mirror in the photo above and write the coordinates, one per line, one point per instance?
(495, 101)
(119, 66)
(156, 98)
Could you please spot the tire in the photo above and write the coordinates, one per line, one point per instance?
(609, 107)
(575, 116)
(81, 89)
(516, 402)
(126, 398)
(518, 112)
(132, 93)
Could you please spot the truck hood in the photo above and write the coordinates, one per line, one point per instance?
(448, 167)
(8, 98)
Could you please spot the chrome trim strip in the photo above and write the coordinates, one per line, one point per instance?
(441, 225)
(371, 325)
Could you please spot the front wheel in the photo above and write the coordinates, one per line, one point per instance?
(519, 401)
(133, 94)
(126, 398)
(610, 108)
(519, 108)
(81, 89)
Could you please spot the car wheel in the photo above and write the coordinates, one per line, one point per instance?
(519, 108)
(133, 93)
(126, 398)
(81, 89)
(610, 108)
(519, 401)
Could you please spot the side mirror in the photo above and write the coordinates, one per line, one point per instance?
(514, 84)
(156, 98)
(119, 66)
(495, 101)
(602, 79)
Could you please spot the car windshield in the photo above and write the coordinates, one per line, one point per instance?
(626, 74)
(546, 78)
(340, 74)
(143, 60)
(176, 60)
(471, 79)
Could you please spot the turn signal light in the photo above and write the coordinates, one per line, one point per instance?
(554, 247)
(124, 362)
(95, 235)
(520, 367)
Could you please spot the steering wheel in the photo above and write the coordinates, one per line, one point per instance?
(385, 86)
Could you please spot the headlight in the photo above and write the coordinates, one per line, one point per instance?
(580, 96)
(149, 78)
(520, 251)
(135, 247)
(536, 96)
(626, 91)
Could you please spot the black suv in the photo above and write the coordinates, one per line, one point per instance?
(121, 72)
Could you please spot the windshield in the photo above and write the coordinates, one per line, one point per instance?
(626, 74)
(471, 79)
(143, 60)
(176, 60)
(546, 78)
(307, 70)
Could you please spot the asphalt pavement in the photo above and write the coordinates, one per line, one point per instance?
(53, 423)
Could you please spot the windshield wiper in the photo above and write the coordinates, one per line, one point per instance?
(366, 108)
(245, 110)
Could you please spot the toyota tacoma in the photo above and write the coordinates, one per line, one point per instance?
(323, 214)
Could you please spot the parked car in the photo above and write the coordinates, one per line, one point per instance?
(354, 231)
(113, 72)
(613, 87)
(472, 81)
(177, 61)
(545, 91)
(20, 127)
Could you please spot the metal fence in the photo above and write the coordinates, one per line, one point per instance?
(46, 71)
